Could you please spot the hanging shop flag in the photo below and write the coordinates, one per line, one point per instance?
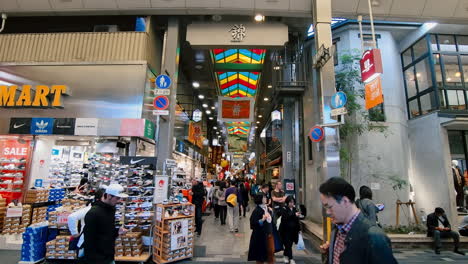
(371, 65)
(373, 93)
(194, 132)
(236, 109)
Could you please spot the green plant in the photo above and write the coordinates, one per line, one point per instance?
(358, 120)
(403, 229)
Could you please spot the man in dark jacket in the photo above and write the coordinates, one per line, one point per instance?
(99, 230)
(354, 239)
(198, 196)
(439, 227)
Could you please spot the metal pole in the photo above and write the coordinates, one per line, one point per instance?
(372, 24)
(360, 31)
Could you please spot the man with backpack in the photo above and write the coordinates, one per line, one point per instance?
(232, 200)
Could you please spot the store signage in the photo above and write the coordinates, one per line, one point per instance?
(109, 127)
(161, 189)
(163, 81)
(224, 35)
(86, 126)
(38, 183)
(316, 134)
(180, 146)
(197, 115)
(236, 110)
(170, 163)
(64, 126)
(42, 126)
(137, 160)
(373, 93)
(132, 127)
(371, 65)
(149, 129)
(14, 212)
(20, 126)
(29, 97)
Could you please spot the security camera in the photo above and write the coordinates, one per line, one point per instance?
(4, 16)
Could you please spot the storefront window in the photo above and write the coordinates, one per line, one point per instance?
(452, 70)
(407, 58)
(443, 99)
(447, 43)
(410, 82)
(420, 48)
(428, 103)
(434, 43)
(438, 71)
(414, 108)
(456, 99)
(462, 43)
(423, 75)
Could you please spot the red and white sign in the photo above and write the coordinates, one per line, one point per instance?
(14, 212)
(236, 109)
(132, 127)
(371, 65)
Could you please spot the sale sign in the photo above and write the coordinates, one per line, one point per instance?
(371, 65)
(373, 93)
(236, 109)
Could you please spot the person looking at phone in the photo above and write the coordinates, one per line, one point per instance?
(100, 231)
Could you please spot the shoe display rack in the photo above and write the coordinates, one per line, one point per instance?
(173, 233)
(65, 173)
(12, 176)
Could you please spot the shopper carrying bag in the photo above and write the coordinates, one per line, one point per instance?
(289, 228)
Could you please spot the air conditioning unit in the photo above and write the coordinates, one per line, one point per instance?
(106, 28)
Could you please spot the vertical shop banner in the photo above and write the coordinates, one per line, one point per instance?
(161, 188)
(132, 127)
(195, 131)
(42, 126)
(149, 129)
(86, 126)
(373, 93)
(64, 126)
(371, 65)
(109, 127)
(20, 126)
(179, 234)
(236, 109)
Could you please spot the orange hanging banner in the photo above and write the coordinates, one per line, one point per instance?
(373, 92)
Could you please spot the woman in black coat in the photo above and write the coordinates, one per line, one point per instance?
(262, 245)
(289, 228)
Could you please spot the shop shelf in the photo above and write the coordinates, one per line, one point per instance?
(11, 162)
(12, 170)
(142, 258)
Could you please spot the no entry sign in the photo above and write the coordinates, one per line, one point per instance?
(316, 134)
(161, 102)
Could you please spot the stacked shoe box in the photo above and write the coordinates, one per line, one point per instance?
(56, 194)
(58, 249)
(2, 212)
(36, 196)
(16, 225)
(129, 245)
(34, 240)
(39, 215)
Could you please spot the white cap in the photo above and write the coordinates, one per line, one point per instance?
(116, 190)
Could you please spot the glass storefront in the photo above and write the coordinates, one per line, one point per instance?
(435, 69)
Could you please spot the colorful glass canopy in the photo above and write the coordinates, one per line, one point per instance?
(238, 84)
(253, 56)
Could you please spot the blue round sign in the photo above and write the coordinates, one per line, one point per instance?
(163, 81)
(316, 134)
(339, 100)
(161, 102)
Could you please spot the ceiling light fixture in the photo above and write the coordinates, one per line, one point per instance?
(265, 99)
(259, 17)
(204, 105)
(213, 108)
(270, 86)
(196, 85)
(211, 118)
(201, 96)
(276, 68)
(260, 116)
(258, 122)
(208, 112)
(215, 128)
(457, 74)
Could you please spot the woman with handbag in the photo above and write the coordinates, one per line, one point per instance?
(262, 242)
(289, 228)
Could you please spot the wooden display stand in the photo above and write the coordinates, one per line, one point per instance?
(163, 236)
(408, 204)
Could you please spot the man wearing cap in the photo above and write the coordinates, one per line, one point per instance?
(99, 230)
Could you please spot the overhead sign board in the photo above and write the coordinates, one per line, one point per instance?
(41, 96)
(371, 65)
(42, 126)
(316, 134)
(163, 81)
(236, 109)
(138, 160)
(339, 100)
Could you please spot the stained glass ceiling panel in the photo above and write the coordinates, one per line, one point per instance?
(251, 56)
(238, 84)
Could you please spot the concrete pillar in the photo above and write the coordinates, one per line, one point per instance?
(170, 66)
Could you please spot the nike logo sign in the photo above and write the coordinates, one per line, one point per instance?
(136, 161)
(18, 126)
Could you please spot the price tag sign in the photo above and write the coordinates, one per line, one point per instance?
(14, 212)
(62, 218)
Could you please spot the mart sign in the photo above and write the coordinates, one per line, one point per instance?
(42, 96)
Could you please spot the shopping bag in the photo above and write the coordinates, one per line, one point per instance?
(278, 223)
(277, 239)
(73, 244)
(300, 243)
